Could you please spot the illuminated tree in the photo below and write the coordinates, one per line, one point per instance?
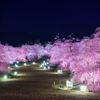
(34, 51)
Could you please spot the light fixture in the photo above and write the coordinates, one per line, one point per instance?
(59, 71)
(17, 62)
(5, 77)
(83, 88)
(47, 62)
(8, 67)
(69, 84)
(15, 73)
(44, 68)
(33, 63)
(16, 65)
(24, 64)
(48, 67)
(40, 65)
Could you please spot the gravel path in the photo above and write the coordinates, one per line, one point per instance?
(34, 83)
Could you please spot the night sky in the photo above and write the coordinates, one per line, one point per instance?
(29, 20)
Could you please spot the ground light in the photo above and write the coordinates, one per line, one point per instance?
(40, 65)
(25, 64)
(69, 84)
(59, 71)
(15, 73)
(5, 77)
(47, 63)
(17, 62)
(83, 88)
(48, 67)
(44, 68)
(16, 65)
(8, 67)
(44, 63)
(33, 63)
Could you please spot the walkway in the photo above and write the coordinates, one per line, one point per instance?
(34, 83)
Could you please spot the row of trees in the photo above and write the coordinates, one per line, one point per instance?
(9, 54)
(81, 57)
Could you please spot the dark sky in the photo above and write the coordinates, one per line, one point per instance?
(25, 20)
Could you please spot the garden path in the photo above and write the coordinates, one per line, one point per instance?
(34, 83)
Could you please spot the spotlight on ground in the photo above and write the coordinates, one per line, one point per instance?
(59, 71)
(25, 64)
(83, 88)
(15, 73)
(48, 67)
(44, 68)
(17, 62)
(8, 67)
(16, 65)
(69, 84)
(33, 63)
(5, 77)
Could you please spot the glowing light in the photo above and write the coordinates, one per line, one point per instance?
(40, 65)
(69, 84)
(17, 62)
(16, 65)
(44, 68)
(83, 88)
(33, 63)
(5, 77)
(59, 71)
(43, 61)
(24, 64)
(91, 74)
(8, 67)
(15, 73)
(48, 67)
(47, 62)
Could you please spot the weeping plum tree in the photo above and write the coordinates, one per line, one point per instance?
(9, 54)
(3, 64)
(81, 58)
(47, 49)
(69, 58)
(62, 50)
(87, 66)
(21, 53)
(34, 52)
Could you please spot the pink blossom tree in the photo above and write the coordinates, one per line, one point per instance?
(86, 68)
(81, 58)
(21, 53)
(34, 52)
(3, 60)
